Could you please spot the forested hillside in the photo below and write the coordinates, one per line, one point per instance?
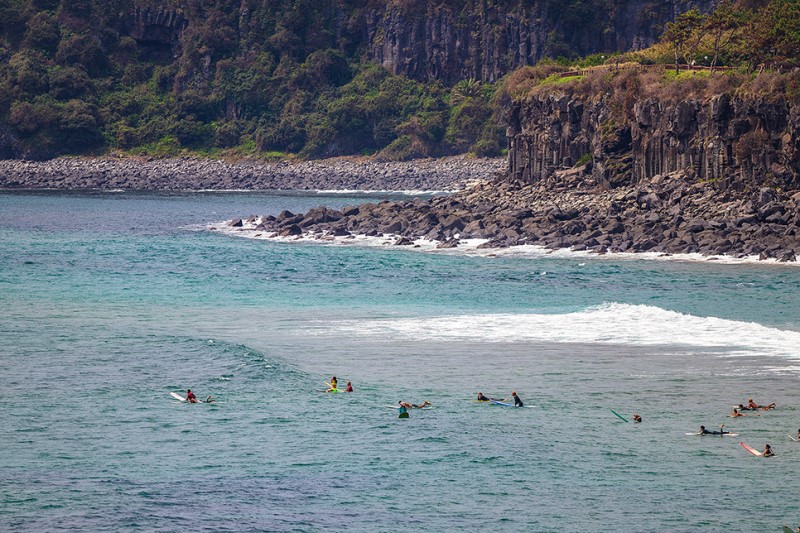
(403, 78)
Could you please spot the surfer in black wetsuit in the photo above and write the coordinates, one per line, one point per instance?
(704, 431)
(517, 401)
(637, 418)
(768, 451)
(482, 398)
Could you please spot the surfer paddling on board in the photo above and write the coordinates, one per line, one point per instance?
(482, 398)
(753, 405)
(736, 413)
(704, 431)
(190, 397)
(409, 405)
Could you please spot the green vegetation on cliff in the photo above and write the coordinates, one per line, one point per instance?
(253, 78)
(286, 77)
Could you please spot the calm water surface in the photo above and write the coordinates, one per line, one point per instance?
(110, 301)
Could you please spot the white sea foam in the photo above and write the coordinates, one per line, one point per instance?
(471, 247)
(612, 323)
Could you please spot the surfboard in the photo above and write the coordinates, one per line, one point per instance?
(427, 407)
(751, 450)
(402, 415)
(504, 404)
(728, 434)
(620, 416)
(787, 529)
(793, 438)
(177, 396)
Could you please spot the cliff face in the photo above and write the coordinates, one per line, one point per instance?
(484, 40)
(732, 141)
(446, 41)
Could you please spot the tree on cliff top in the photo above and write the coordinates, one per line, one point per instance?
(685, 35)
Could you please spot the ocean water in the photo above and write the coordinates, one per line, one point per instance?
(110, 301)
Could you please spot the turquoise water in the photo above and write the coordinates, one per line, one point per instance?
(110, 301)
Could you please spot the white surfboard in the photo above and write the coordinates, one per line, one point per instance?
(793, 438)
(729, 434)
(182, 399)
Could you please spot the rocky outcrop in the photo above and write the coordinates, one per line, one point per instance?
(672, 214)
(156, 31)
(731, 141)
(201, 174)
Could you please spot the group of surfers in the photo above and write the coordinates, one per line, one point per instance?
(517, 401)
(737, 411)
(751, 406)
(334, 383)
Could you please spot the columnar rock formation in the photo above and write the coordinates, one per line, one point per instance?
(735, 142)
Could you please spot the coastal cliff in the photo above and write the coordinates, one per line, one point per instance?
(632, 167)
(732, 141)
(451, 41)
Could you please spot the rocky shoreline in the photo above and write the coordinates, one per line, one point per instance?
(670, 214)
(192, 174)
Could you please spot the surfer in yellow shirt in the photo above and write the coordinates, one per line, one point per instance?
(332, 385)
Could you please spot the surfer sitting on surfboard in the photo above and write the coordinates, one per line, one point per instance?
(517, 401)
(332, 385)
(190, 397)
(767, 451)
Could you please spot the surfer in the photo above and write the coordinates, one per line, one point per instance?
(704, 431)
(482, 398)
(349, 387)
(409, 405)
(332, 385)
(190, 397)
(753, 405)
(767, 451)
(517, 401)
(736, 413)
(798, 434)
(637, 418)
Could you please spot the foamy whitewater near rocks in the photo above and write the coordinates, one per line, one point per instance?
(668, 215)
